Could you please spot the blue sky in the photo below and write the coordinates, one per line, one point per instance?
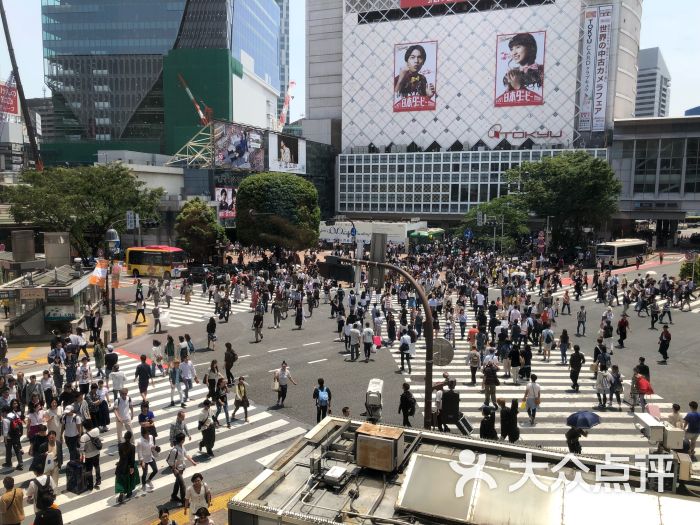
(670, 25)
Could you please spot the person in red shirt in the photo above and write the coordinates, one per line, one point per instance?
(471, 335)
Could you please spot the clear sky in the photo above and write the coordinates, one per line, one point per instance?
(668, 24)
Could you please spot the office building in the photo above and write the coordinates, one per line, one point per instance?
(106, 61)
(653, 85)
(431, 103)
(46, 130)
(283, 52)
(692, 112)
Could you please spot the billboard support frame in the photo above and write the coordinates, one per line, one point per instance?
(198, 152)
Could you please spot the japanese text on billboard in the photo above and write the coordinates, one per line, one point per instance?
(588, 63)
(600, 97)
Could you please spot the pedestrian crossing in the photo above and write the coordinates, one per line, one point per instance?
(180, 314)
(616, 434)
(260, 440)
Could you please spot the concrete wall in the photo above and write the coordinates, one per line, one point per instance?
(171, 180)
(254, 101)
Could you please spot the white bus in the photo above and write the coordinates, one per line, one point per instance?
(622, 252)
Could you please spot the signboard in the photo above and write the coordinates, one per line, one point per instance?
(226, 197)
(58, 293)
(8, 99)
(29, 294)
(59, 312)
(130, 220)
(600, 96)
(238, 147)
(588, 63)
(287, 154)
(520, 69)
(8, 294)
(415, 76)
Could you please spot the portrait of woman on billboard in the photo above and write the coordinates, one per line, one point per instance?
(520, 69)
(415, 67)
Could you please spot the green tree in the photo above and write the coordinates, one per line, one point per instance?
(198, 229)
(278, 209)
(574, 189)
(514, 214)
(84, 201)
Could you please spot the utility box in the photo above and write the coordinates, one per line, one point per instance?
(673, 437)
(652, 428)
(379, 447)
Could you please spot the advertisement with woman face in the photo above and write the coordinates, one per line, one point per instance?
(520, 69)
(415, 74)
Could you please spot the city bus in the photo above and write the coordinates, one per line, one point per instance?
(155, 261)
(617, 252)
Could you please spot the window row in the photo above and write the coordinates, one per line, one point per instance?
(404, 208)
(450, 193)
(430, 168)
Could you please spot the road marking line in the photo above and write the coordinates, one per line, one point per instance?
(314, 343)
(317, 361)
(242, 356)
(276, 350)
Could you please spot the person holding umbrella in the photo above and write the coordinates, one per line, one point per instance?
(572, 439)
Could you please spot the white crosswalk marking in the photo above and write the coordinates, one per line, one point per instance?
(265, 436)
(616, 434)
(199, 309)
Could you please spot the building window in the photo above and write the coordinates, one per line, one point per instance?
(692, 166)
(645, 162)
(671, 165)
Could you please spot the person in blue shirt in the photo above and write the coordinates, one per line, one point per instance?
(692, 427)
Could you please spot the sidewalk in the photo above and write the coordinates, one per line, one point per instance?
(218, 510)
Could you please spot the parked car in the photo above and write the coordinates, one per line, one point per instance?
(198, 273)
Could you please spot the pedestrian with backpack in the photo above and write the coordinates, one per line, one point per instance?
(12, 431)
(322, 395)
(41, 491)
(407, 404)
(474, 361)
(90, 447)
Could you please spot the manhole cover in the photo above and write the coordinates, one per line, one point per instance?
(28, 362)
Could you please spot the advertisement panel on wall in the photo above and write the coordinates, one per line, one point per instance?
(520, 69)
(600, 96)
(287, 154)
(8, 99)
(226, 198)
(588, 66)
(415, 76)
(238, 147)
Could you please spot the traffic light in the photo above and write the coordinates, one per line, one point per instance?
(332, 268)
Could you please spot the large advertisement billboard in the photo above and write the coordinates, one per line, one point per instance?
(588, 60)
(520, 69)
(226, 198)
(415, 76)
(287, 154)
(238, 147)
(602, 65)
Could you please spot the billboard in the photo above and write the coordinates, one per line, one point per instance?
(226, 199)
(602, 64)
(8, 99)
(238, 147)
(587, 73)
(520, 69)
(415, 76)
(287, 154)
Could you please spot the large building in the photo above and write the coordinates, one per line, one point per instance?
(653, 85)
(430, 102)
(283, 52)
(106, 64)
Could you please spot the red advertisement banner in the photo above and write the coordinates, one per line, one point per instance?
(8, 99)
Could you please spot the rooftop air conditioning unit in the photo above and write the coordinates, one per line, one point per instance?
(379, 447)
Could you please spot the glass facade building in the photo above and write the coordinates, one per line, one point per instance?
(256, 32)
(444, 184)
(284, 52)
(103, 59)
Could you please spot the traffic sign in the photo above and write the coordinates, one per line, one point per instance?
(130, 224)
(479, 218)
(443, 352)
(468, 234)
(353, 231)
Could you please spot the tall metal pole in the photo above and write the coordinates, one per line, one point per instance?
(428, 332)
(20, 91)
(107, 289)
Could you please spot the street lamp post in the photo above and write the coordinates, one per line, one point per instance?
(428, 332)
(112, 241)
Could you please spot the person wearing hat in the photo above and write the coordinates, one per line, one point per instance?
(207, 427)
(202, 517)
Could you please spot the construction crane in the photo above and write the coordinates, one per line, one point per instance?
(285, 108)
(205, 117)
(38, 163)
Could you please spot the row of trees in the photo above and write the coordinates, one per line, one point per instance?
(575, 190)
(274, 209)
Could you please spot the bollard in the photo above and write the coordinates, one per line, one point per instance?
(106, 336)
(128, 330)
